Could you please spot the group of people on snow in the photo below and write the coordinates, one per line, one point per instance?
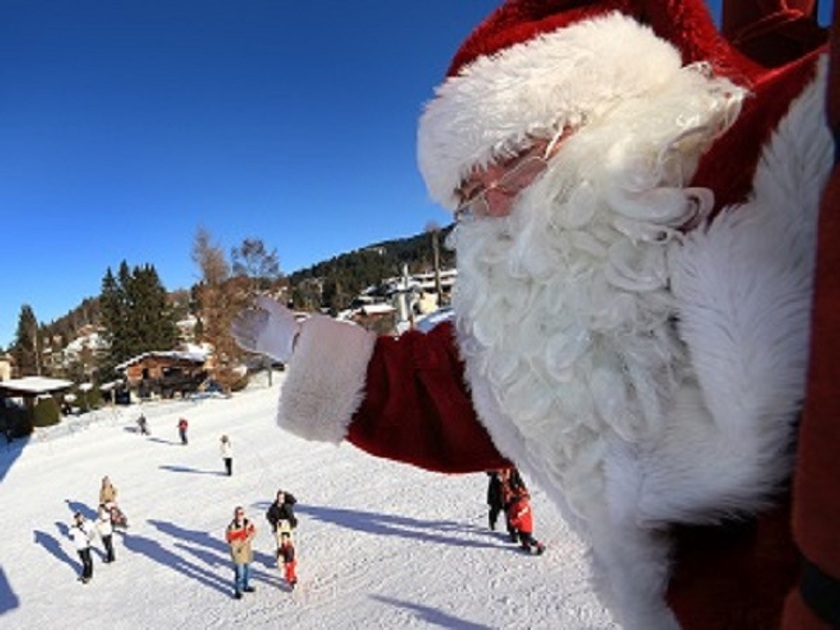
(83, 532)
(241, 532)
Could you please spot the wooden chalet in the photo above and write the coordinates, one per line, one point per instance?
(165, 373)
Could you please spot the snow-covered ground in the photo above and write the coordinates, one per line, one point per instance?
(380, 544)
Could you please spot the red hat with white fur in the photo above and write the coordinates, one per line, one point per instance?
(534, 66)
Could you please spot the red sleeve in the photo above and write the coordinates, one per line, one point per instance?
(417, 408)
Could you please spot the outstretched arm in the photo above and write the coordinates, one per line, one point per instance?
(403, 399)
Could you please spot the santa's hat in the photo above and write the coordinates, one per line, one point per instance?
(536, 66)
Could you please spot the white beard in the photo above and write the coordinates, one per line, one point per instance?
(564, 307)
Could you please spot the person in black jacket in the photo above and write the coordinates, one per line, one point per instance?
(494, 497)
(281, 516)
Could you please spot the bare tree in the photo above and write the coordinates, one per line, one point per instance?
(252, 260)
(220, 297)
(260, 268)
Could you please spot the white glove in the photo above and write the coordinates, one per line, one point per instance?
(270, 329)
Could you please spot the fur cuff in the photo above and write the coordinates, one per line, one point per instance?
(326, 379)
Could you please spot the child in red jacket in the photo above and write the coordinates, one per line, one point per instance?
(286, 553)
(522, 519)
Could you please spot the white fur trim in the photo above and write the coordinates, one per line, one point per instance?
(568, 77)
(326, 379)
(744, 296)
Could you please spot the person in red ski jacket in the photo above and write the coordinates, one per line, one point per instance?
(522, 519)
(286, 554)
(239, 535)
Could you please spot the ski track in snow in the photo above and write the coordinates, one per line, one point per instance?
(379, 544)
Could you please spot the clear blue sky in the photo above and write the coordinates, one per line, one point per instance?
(127, 124)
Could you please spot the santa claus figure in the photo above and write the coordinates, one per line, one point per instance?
(636, 203)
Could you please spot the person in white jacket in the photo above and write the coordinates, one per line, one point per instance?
(105, 528)
(227, 454)
(81, 532)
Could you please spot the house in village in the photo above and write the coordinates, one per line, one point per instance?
(167, 373)
(376, 316)
(28, 390)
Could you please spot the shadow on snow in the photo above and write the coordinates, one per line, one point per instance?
(432, 616)
(10, 452)
(194, 471)
(441, 532)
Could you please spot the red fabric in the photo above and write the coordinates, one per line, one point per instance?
(733, 577)
(816, 507)
(729, 166)
(816, 514)
(685, 23)
(772, 32)
(417, 408)
(289, 571)
(236, 533)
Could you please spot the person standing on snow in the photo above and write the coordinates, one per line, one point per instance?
(81, 532)
(281, 515)
(227, 454)
(107, 491)
(105, 528)
(183, 425)
(108, 497)
(494, 497)
(287, 555)
(512, 485)
(239, 535)
(521, 518)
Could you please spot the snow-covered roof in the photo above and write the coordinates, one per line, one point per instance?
(195, 356)
(35, 384)
(93, 340)
(377, 309)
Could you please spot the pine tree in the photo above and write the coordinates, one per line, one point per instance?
(135, 314)
(26, 350)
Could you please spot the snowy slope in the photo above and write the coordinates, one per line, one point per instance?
(379, 544)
